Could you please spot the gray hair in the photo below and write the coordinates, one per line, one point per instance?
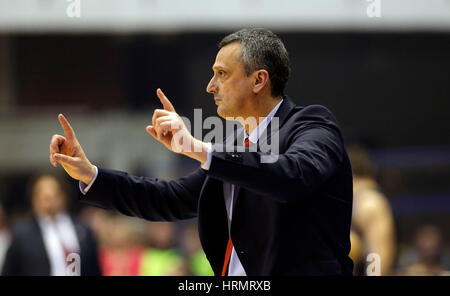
(262, 49)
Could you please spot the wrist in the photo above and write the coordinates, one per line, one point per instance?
(198, 150)
(87, 179)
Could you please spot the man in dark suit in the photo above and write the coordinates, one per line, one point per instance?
(41, 245)
(285, 215)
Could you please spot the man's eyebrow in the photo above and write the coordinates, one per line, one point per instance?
(217, 67)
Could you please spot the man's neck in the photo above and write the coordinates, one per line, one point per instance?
(262, 108)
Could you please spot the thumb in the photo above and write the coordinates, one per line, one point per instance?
(64, 159)
(151, 130)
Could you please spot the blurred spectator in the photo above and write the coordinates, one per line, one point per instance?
(162, 257)
(99, 221)
(132, 247)
(121, 250)
(427, 258)
(40, 244)
(4, 235)
(196, 258)
(372, 221)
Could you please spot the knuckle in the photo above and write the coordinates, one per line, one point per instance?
(53, 147)
(161, 120)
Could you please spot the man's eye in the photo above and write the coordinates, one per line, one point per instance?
(221, 73)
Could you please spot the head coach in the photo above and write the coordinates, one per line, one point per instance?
(287, 217)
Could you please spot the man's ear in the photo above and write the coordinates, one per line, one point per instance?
(261, 80)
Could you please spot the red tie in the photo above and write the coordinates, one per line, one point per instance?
(230, 243)
(227, 256)
(246, 143)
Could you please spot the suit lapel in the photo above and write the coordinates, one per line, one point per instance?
(238, 140)
(39, 246)
(212, 222)
(236, 192)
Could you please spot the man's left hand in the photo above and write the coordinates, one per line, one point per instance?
(169, 129)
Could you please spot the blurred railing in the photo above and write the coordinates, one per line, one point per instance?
(180, 15)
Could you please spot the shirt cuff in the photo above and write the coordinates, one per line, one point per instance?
(83, 187)
(207, 163)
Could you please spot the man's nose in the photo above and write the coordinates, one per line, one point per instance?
(211, 87)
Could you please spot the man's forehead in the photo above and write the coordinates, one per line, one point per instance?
(228, 56)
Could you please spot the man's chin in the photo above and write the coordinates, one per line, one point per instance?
(220, 112)
(226, 114)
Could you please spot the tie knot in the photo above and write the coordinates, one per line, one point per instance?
(246, 142)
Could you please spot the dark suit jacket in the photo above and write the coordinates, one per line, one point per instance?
(27, 254)
(291, 217)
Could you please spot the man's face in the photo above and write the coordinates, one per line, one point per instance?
(48, 200)
(231, 87)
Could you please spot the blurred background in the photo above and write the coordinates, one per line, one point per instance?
(382, 67)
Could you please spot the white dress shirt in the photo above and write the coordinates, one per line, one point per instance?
(55, 231)
(235, 267)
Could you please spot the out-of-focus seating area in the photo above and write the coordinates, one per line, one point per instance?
(132, 247)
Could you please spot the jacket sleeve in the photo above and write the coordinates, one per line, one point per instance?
(315, 151)
(148, 198)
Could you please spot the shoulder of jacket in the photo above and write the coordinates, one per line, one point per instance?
(315, 109)
(22, 227)
(313, 112)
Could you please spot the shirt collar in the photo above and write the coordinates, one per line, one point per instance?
(257, 132)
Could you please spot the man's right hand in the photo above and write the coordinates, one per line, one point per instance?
(68, 152)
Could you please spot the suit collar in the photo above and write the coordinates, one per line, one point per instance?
(283, 112)
(257, 132)
(285, 109)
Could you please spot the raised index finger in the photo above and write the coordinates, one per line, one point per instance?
(68, 130)
(165, 101)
